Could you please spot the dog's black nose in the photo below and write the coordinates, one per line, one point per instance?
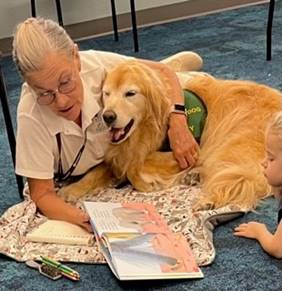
(109, 116)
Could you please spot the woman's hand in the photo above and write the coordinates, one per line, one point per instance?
(43, 193)
(182, 142)
(79, 217)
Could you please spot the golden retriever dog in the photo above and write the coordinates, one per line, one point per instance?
(137, 108)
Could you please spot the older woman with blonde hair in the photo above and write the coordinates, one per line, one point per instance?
(59, 129)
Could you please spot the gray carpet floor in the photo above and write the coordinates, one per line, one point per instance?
(232, 44)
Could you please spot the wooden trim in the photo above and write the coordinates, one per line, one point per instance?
(146, 17)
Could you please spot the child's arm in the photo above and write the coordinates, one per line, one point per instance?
(271, 243)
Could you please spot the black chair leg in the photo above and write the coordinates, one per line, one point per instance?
(59, 12)
(114, 19)
(9, 129)
(134, 25)
(269, 29)
(33, 8)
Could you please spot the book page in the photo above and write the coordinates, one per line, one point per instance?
(154, 254)
(125, 217)
(138, 244)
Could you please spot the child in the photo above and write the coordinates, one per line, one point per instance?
(272, 164)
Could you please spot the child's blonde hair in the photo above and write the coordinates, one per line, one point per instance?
(275, 124)
(34, 38)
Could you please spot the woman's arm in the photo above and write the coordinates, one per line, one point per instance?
(43, 193)
(182, 142)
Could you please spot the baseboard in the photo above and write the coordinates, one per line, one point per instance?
(146, 17)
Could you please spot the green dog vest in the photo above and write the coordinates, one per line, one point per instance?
(196, 113)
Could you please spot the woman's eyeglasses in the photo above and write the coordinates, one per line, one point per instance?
(48, 97)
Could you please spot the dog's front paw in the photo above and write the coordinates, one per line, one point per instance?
(71, 193)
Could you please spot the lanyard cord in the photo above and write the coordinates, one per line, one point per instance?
(60, 176)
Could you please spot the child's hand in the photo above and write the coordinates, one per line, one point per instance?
(250, 230)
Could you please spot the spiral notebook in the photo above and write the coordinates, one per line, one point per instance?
(60, 232)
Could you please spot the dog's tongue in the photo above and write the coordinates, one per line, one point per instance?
(116, 133)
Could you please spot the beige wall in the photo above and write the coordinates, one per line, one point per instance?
(74, 11)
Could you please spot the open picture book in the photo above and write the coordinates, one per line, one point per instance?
(138, 244)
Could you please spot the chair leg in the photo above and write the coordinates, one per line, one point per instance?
(114, 19)
(59, 12)
(9, 129)
(134, 25)
(269, 29)
(33, 8)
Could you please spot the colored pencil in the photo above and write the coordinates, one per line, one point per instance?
(67, 271)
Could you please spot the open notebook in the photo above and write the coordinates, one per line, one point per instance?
(60, 232)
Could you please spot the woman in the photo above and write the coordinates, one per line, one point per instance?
(59, 128)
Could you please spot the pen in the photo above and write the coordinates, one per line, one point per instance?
(65, 270)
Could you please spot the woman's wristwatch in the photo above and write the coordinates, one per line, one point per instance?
(178, 109)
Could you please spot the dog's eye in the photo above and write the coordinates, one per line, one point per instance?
(130, 93)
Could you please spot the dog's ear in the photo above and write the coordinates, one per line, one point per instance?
(157, 101)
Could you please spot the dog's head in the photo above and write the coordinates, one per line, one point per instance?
(134, 94)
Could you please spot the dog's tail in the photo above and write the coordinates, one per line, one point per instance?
(234, 184)
(230, 160)
(232, 144)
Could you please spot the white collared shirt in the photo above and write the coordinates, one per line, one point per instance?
(37, 149)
